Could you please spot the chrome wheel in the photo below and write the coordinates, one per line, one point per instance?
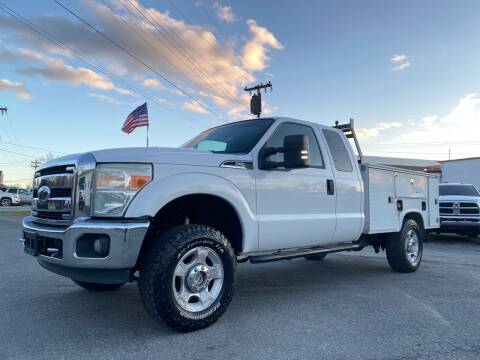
(198, 279)
(412, 246)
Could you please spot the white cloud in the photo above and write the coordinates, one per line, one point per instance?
(224, 12)
(107, 99)
(401, 66)
(194, 107)
(152, 83)
(399, 61)
(429, 120)
(398, 58)
(202, 61)
(255, 51)
(54, 68)
(431, 136)
(16, 87)
(369, 133)
(59, 71)
(460, 124)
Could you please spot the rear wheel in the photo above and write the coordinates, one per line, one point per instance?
(315, 257)
(405, 248)
(187, 277)
(97, 287)
(6, 202)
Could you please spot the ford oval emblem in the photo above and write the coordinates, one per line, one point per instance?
(43, 194)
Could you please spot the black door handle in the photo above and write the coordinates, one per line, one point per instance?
(330, 187)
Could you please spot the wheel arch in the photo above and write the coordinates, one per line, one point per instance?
(198, 208)
(215, 193)
(414, 215)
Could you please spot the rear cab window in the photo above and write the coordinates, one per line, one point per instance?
(338, 150)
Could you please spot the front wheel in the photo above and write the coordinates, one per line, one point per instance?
(6, 202)
(187, 277)
(96, 287)
(405, 248)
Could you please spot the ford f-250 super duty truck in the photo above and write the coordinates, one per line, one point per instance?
(177, 221)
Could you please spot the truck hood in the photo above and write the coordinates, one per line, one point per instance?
(459, 198)
(155, 155)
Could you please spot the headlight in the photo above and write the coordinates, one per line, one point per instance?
(116, 184)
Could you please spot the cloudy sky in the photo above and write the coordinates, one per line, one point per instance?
(407, 71)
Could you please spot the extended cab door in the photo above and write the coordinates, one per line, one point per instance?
(294, 207)
(348, 187)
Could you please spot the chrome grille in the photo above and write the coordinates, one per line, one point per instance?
(459, 208)
(53, 193)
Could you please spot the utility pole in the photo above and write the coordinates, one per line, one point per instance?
(35, 164)
(449, 153)
(256, 100)
(3, 109)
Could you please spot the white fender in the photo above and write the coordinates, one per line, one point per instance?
(151, 199)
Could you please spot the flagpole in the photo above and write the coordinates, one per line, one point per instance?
(147, 134)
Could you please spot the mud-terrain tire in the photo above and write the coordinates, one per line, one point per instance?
(315, 257)
(405, 248)
(97, 287)
(187, 277)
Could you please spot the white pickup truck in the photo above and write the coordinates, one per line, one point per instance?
(178, 220)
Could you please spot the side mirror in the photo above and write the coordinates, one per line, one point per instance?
(295, 152)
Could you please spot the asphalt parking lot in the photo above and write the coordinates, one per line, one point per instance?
(19, 208)
(348, 306)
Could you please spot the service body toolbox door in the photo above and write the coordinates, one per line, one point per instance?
(380, 205)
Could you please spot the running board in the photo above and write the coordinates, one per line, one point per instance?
(301, 252)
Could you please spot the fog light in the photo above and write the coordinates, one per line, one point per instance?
(93, 246)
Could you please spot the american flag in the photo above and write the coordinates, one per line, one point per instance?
(137, 118)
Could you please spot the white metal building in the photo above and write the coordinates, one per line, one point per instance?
(462, 170)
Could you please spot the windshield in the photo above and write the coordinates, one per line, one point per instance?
(465, 190)
(234, 138)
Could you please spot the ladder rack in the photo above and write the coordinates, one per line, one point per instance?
(349, 132)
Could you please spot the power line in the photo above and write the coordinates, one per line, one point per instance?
(208, 40)
(185, 53)
(89, 61)
(17, 153)
(152, 46)
(31, 147)
(202, 7)
(13, 162)
(139, 60)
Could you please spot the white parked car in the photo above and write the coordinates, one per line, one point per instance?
(8, 199)
(15, 196)
(178, 220)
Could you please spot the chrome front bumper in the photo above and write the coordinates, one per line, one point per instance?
(126, 239)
